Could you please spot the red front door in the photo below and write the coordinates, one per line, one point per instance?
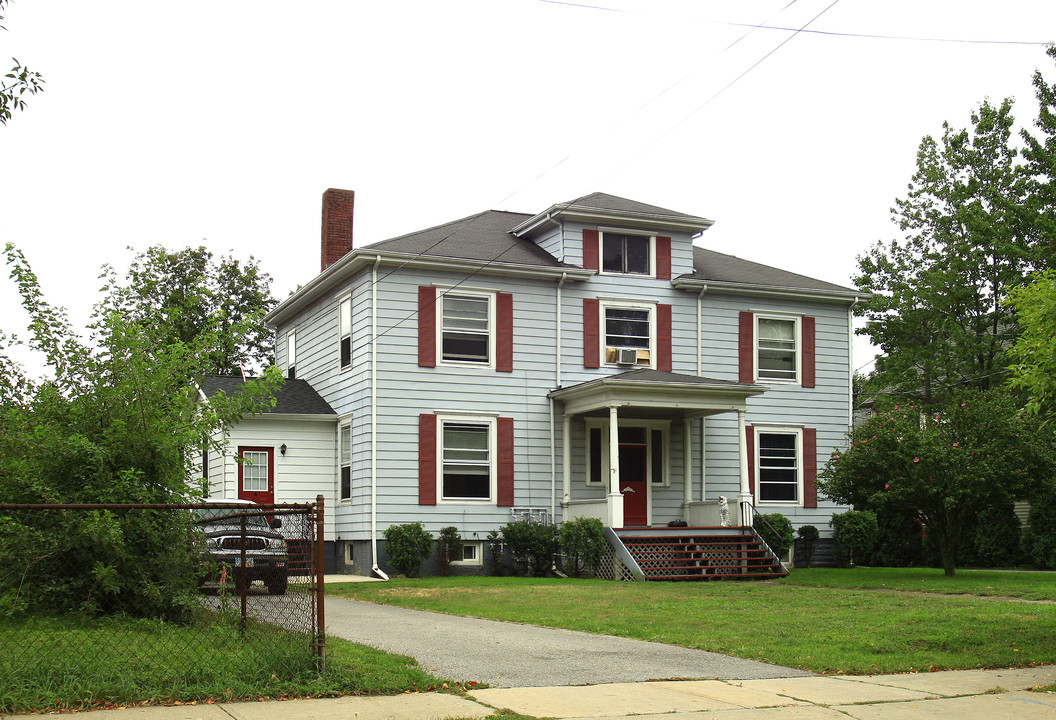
(256, 474)
(633, 484)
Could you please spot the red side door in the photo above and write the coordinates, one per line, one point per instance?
(256, 474)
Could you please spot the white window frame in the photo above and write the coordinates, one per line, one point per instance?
(490, 421)
(603, 307)
(778, 430)
(442, 295)
(341, 464)
(478, 554)
(651, 237)
(650, 425)
(797, 334)
(254, 464)
(345, 301)
(291, 353)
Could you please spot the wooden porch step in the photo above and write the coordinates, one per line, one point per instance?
(726, 553)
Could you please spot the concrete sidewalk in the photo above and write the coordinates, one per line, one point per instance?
(990, 694)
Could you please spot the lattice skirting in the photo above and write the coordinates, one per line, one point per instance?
(612, 568)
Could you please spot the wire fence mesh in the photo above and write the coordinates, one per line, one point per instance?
(177, 592)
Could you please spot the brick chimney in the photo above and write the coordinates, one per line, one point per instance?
(337, 225)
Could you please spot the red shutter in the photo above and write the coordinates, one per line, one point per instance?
(426, 326)
(749, 437)
(504, 332)
(807, 331)
(591, 333)
(426, 459)
(810, 467)
(591, 250)
(663, 258)
(746, 348)
(663, 337)
(504, 479)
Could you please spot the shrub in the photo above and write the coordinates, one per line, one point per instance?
(995, 539)
(495, 552)
(448, 548)
(1039, 540)
(582, 545)
(776, 530)
(854, 533)
(533, 545)
(808, 536)
(901, 540)
(408, 546)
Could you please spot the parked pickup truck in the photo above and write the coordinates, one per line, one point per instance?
(266, 555)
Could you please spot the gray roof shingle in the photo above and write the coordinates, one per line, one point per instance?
(484, 236)
(295, 397)
(717, 267)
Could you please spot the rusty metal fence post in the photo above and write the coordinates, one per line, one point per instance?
(320, 589)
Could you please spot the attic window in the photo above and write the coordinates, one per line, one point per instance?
(625, 254)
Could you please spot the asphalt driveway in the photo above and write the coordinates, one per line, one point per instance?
(511, 655)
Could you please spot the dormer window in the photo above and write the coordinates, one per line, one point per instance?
(625, 254)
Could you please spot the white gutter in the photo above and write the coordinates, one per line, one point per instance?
(374, 420)
(553, 443)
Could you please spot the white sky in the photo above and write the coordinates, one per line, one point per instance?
(221, 122)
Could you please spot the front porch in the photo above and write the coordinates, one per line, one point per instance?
(625, 450)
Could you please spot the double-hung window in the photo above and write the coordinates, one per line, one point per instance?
(465, 328)
(345, 460)
(345, 319)
(778, 348)
(626, 254)
(291, 355)
(779, 467)
(628, 334)
(466, 452)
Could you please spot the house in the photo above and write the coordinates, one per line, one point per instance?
(585, 361)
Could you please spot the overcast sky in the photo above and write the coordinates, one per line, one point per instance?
(222, 122)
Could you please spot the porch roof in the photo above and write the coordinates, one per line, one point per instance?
(657, 393)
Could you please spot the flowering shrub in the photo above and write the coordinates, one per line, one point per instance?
(942, 466)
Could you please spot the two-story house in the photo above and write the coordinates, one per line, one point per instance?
(585, 361)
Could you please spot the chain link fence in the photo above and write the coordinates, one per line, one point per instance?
(188, 592)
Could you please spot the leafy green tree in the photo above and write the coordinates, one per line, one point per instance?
(1034, 354)
(943, 466)
(16, 84)
(186, 294)
(115, 424)
(937, 309)
(1039, 154)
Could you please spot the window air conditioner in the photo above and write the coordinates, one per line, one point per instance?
(626, 356)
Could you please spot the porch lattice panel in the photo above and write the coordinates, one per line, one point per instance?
(700, 554)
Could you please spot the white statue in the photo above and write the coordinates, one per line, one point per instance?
(724, 512)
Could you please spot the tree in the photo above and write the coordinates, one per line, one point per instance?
(16, 84)
(943, 465)
(1034, 354)
(1039, 154)
(116, 424)
(936, 310)
(184, 294)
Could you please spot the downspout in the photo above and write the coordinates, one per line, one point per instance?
(850, 365)
(374, 420)
(700, 334)
(557, 378)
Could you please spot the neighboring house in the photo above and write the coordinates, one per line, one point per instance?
(585, 361)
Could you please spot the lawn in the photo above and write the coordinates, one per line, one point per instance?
(988, 583)
(817, 620)
(70, 663)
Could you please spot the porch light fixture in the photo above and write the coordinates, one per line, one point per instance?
(282, 449)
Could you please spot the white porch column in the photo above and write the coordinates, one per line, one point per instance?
(745, 497)
(703, 459)
(687, 461)
(615, 497)
(566, 459)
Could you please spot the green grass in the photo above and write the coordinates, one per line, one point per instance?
(61, 663)
(1025, 585)
(827, 629)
